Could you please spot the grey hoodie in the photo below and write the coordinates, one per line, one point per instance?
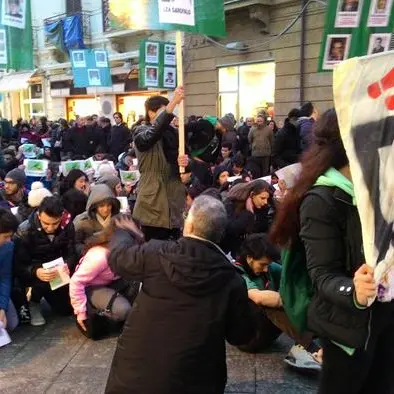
(86, 224)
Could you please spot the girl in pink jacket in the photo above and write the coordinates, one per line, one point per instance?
(93, 281)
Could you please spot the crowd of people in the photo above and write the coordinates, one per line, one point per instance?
(224, 249)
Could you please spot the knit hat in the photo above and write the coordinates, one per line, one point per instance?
(37, 194)
(18, 176)
(228, 121)
(110, 180)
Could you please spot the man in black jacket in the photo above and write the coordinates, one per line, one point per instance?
(192, 300)
(83, 138)
(120, 137)
(41, 239)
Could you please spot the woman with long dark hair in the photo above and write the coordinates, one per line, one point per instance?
(321, 212)
(248, 208)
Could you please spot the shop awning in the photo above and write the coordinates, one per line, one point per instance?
(15, 81)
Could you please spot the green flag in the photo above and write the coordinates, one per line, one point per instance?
(19, 45)
(355, 28)
(195, 16)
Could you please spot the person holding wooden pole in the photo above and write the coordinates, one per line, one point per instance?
(161, 194)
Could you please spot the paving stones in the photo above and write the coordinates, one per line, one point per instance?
(57, 358)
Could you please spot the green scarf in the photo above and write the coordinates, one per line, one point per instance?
(333, 178)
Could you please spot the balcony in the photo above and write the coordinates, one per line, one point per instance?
(87, 32)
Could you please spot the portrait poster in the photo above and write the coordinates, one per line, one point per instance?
(169, 55)
(152, 52)
(13, 13)
(3, 47)
(152, 76)
(363, 96)
(379, 13)
(78, 58)
(169, 77)
(348, 13)
(101, 58)
(337, 50)
(180, 12)
(94, 77)
(379, 43)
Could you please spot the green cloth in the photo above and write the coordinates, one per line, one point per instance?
(260, 282)
(212, 120)
(334, 178)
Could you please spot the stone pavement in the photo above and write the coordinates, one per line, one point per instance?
(57, 358)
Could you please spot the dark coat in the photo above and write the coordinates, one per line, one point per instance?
(161, 195)
(33, 248)
(286, 147)
(83, 141)
(192, 300)
(119, 140)
(306, 132)
(331, 233)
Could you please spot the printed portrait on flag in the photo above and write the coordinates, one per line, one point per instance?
(337, 49)
(14, 13)
(364, 99)
(348, 13)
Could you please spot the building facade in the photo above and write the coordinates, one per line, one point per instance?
(281, 74)
(240, 73)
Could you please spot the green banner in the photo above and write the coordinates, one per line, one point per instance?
(195, 16)
(18, 43)
(355, 28)
(157, 66)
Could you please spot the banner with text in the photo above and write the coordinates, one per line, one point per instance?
(195, 16)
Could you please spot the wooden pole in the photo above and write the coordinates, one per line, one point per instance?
(181, 107)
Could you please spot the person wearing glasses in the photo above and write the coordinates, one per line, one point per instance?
(120, 137)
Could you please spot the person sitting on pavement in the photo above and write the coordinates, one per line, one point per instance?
(258, 266)
(113, 182)
(42, 239)
(192, 297)
(248, 208)
(94, 285)
(101, 207)
(76, 179)
(14, 192)
(8, 226)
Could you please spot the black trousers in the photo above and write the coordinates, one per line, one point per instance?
(59, 299)
(366, 371)
(160, 233)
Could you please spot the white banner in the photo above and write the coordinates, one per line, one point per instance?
(13, 13)
(180, 12)
(3, 47)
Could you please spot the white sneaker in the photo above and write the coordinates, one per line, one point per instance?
(36, 317)
(300, 358)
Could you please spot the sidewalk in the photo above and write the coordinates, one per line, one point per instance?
(57, 358)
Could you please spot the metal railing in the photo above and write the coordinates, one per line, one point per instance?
(87, 33)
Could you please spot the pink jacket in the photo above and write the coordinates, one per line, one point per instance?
(93, 270)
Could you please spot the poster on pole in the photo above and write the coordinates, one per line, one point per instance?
(348, 13)
(13, 13)
(157, 68)
(379, 43)
(193, 16)
(364, 100)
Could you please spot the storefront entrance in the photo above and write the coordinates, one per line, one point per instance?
(245, 90)
(85, 106)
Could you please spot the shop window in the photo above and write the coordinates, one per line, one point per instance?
(246, 90)
(32, 101)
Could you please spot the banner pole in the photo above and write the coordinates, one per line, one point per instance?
(181, 107)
